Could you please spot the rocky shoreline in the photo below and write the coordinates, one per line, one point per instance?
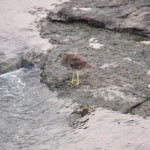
(114, 39)
(119, 78)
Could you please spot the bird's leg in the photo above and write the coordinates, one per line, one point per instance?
(78, 81)
(72, 80)
(75, 79)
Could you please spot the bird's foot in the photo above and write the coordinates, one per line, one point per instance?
(77, 83)
(74, 83)
(71, 83)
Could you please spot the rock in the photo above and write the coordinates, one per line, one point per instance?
(119, 77)
(112, 130)
(83, 110)
(128, 16)
(35, 57)
(10, 64)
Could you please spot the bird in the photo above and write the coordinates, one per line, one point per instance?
(75, 63)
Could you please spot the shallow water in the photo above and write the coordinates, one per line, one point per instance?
(32, 117)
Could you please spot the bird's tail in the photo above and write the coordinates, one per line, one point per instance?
(87, 65)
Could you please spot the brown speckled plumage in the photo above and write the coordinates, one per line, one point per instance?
(74, 62)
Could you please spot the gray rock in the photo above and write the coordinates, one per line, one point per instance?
(128, 16)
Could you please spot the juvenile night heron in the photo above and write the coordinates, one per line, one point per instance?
(75, 63)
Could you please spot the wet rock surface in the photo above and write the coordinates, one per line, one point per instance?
(129, 16)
